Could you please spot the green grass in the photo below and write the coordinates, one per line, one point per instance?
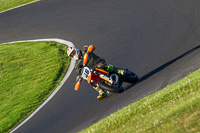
(7, 4)
(175, 109)
(29, 72)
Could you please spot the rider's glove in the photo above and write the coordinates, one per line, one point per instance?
(77, 78)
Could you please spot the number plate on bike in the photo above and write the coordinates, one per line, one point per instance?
(86, 73)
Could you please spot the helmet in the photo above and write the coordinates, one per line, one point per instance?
(73, 52)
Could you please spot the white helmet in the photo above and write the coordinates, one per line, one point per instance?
(73, 52)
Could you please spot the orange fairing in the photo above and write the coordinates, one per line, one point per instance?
(89, 78)
(77, 85)
(85, 58)
(91, 48)
(101, 71)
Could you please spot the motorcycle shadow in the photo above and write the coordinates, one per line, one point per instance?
(127, 86)
(148, 75)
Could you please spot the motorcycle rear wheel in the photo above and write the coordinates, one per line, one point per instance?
(131, 77)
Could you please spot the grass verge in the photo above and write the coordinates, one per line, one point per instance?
(29, 72)
(175, 109)
(8, 4)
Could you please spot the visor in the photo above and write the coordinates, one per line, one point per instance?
(73, 53)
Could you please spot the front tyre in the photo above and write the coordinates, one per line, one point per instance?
(104, 86)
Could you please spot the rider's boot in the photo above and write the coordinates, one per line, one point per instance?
(111, 68)
(102, 93)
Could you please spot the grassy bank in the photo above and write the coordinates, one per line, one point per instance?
(175, 109)
(29, 72)
(7, 4)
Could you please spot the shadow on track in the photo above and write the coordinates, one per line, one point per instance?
(148, 75)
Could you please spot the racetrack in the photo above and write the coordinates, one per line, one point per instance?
(157, 39)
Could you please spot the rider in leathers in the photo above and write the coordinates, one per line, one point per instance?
(93, 62)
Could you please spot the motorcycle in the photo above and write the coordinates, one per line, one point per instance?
(108, 81)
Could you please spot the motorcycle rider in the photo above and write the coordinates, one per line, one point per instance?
(93, 62)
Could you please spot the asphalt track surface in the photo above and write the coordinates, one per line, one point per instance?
(157, 39)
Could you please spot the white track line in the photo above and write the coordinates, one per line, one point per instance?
(71, 67)
(20, 6)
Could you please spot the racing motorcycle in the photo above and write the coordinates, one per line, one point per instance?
(108, 81)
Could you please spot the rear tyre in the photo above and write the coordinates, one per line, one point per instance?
(131, 78)
(104, 86)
